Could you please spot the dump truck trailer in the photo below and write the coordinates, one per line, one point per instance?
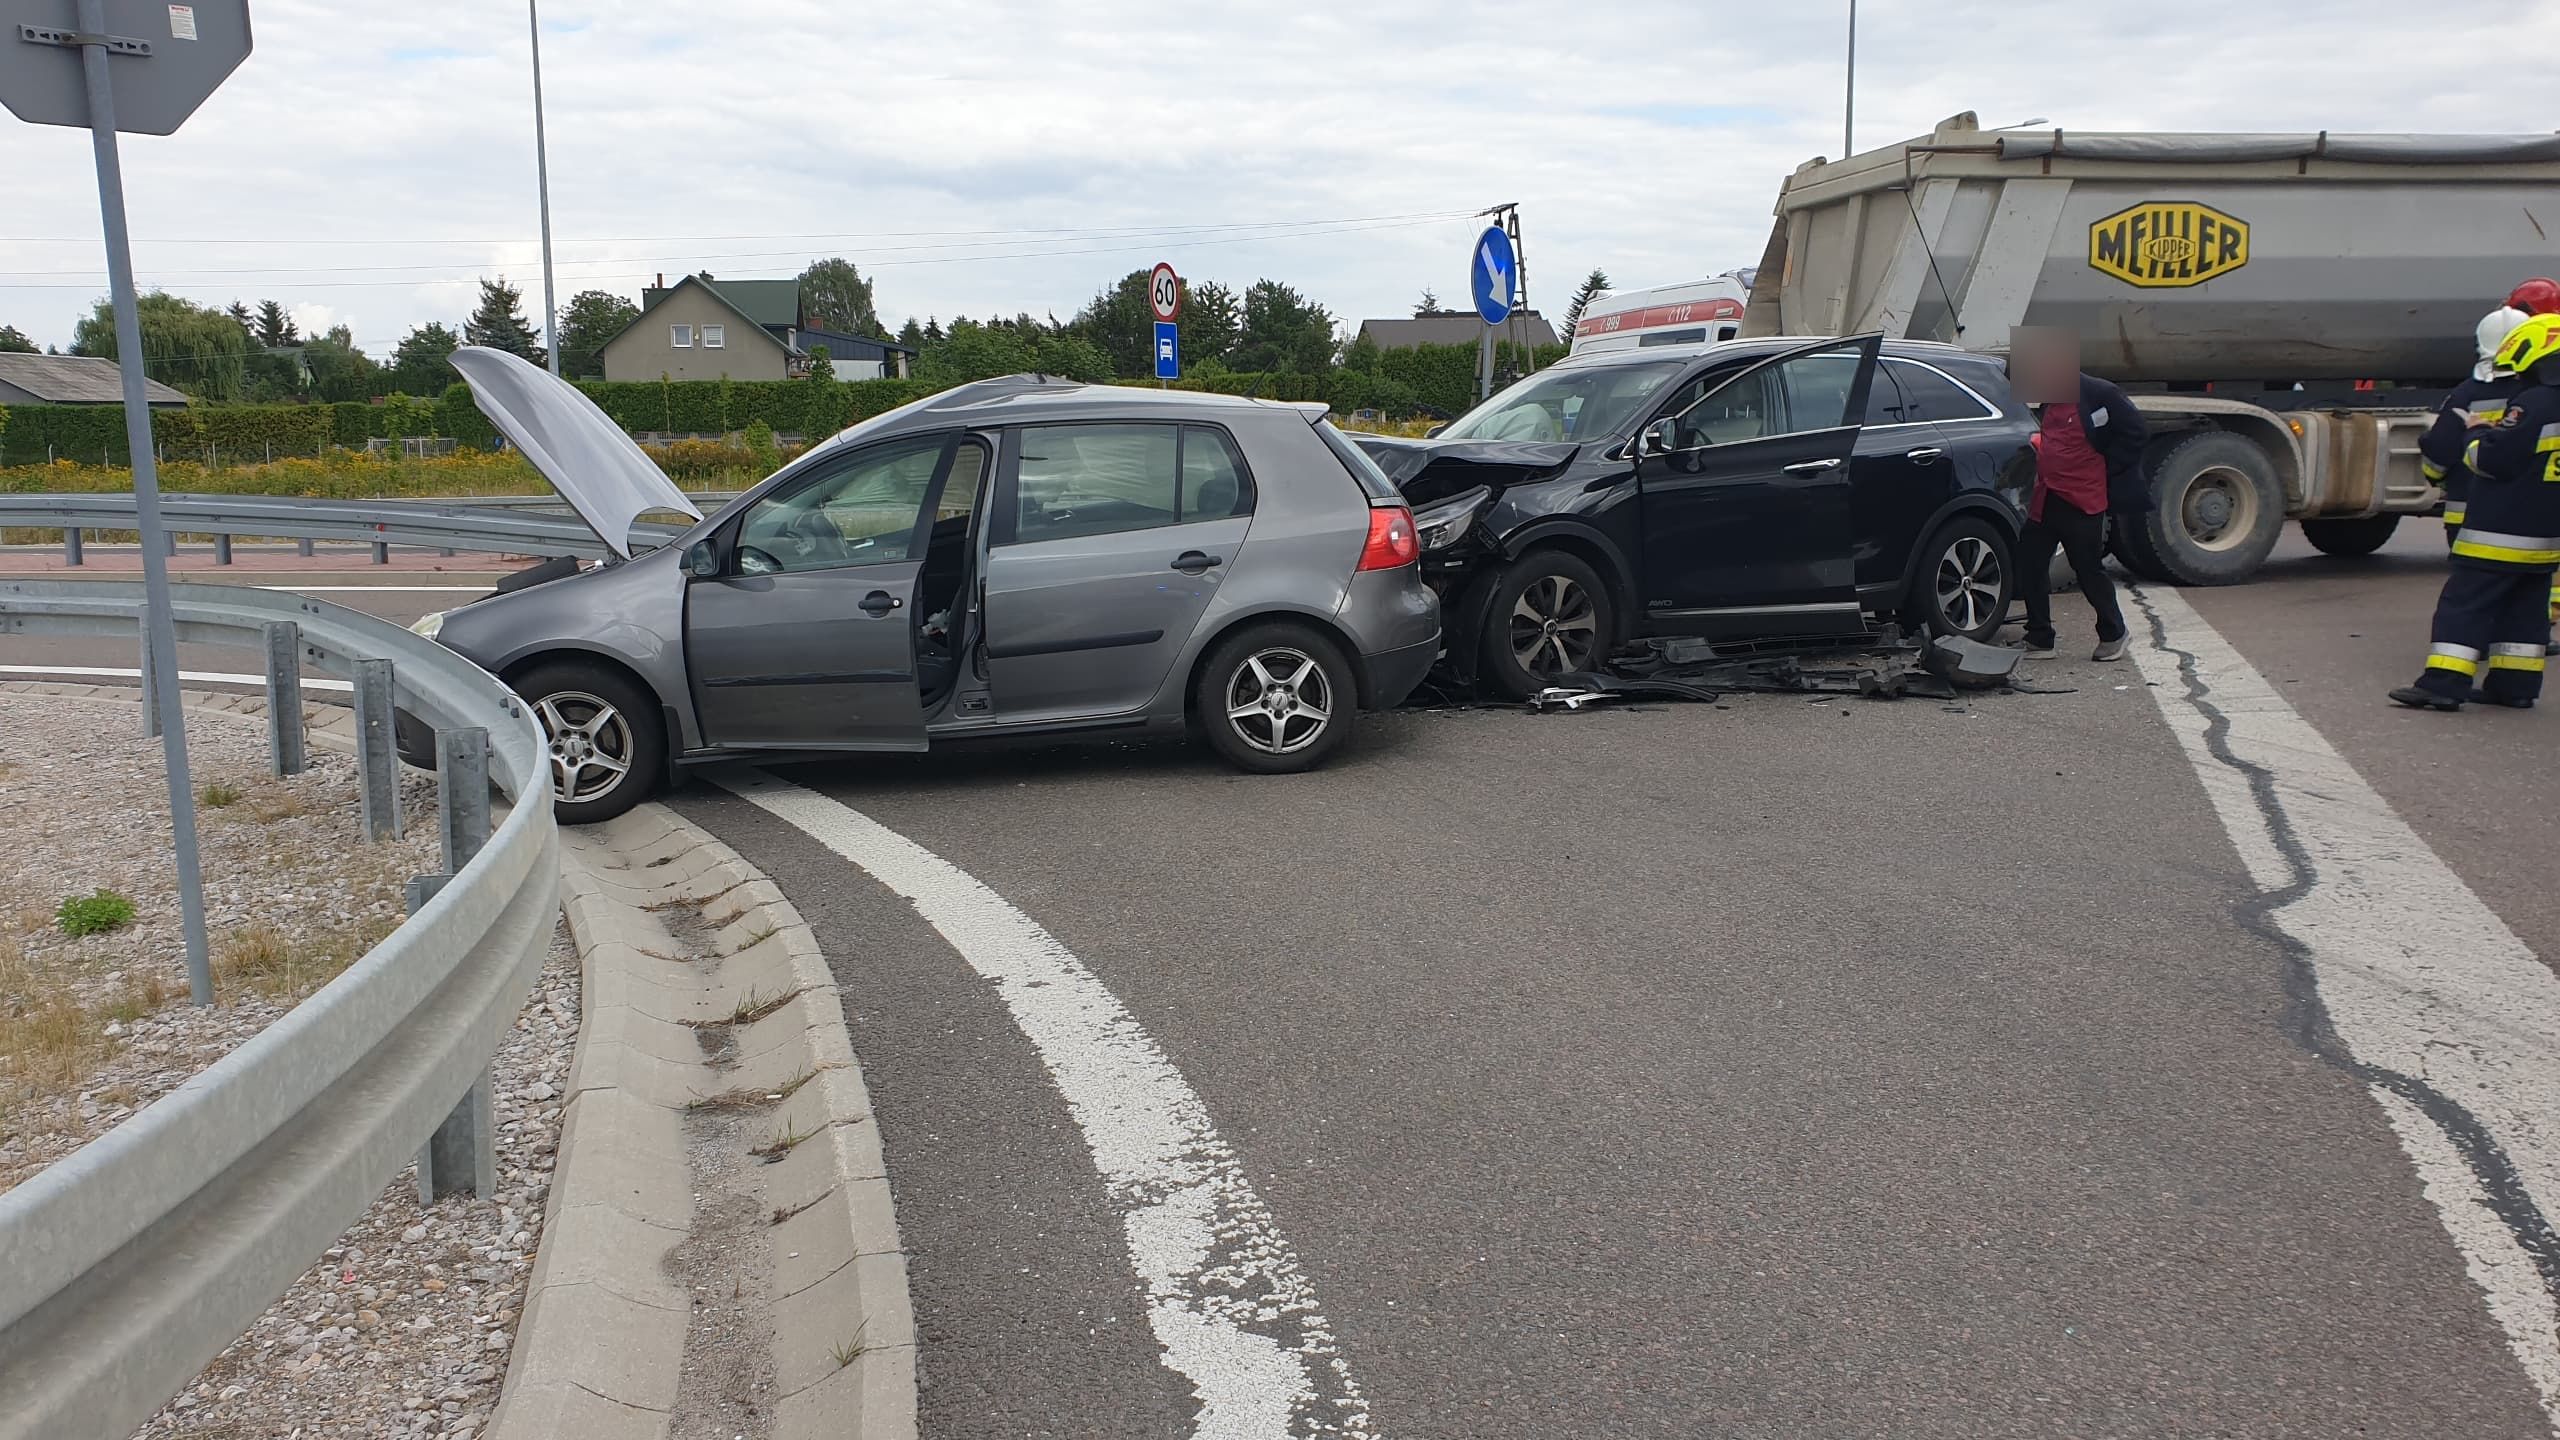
(2287, 310)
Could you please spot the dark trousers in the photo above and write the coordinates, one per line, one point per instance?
(2493, 624)
(2081, 536)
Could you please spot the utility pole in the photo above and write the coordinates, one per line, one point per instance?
(1849, 104)
(542, 179)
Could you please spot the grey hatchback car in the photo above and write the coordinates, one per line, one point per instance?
(1019, 556)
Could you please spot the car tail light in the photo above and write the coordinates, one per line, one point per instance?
(1392, 541)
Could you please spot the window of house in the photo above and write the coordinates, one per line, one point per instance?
(680, 336)
(714, 336)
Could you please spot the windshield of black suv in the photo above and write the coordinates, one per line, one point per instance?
(1568, 403)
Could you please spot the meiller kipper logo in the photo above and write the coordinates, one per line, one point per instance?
(2168, 243)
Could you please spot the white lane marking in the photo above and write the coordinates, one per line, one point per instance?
(2421, 981)
(201, 677)
(1227, 1298)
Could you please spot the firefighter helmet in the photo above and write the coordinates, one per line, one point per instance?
(2531, 343)
(2537, 296)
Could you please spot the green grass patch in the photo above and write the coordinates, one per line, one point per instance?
(94, 914)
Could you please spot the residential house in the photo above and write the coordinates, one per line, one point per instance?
(1464, 327)
(73, 380)
(700, 328)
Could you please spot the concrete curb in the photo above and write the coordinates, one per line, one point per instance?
(602, 1342)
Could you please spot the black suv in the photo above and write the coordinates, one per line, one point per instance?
(1763, 489)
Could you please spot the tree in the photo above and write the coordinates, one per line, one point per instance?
(1072, 356)
(1592, 286)
(591, 318)
(821, 365)
(499, 322)
(240, 312)
(340, 371)
(1429, 306)
(1283, 331)
(13, 341)
(971, 351)
(1119, 323)
(911, 334)
(1212, 319)
(834, 296)
(274, 328)
(933, 331)
(422, 363)
(194, 347)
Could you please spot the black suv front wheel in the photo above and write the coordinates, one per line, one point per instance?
(1964, 581)
(1549, 614)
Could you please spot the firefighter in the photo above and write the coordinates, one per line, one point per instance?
(2493, 622)
(2480, 400)
(2537, 296)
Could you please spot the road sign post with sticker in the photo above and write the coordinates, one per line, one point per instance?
(1164, 297)
(139, 66)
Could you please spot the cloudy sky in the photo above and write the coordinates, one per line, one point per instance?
(372, 160)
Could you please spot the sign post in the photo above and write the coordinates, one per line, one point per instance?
(59, 60)
(1493, 279)
(1164, 296)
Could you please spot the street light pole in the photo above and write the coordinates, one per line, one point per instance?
(1849, 105)
(542, 178)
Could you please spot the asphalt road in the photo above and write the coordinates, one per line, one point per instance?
(1786, 1069)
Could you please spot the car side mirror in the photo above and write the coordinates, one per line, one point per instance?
(1658, 438)
(702, 560)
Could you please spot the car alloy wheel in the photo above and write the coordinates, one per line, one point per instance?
(1969, 583)
(1554, 626)
(1279, 701)
(590, 744)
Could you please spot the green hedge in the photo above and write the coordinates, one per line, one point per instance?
(94, 434)
(720, 407)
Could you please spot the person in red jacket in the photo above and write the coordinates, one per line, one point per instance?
(2088, 445)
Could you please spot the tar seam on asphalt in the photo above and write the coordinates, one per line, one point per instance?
(2307, 1018)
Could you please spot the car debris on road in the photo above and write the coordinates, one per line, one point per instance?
(1888, 668)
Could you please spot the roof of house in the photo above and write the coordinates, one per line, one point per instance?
(78, 380)
(1463, 328)
(650, 298)
(774, 304)
(850, 347)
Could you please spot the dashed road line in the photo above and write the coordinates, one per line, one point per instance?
(1229, 1302)
(2403, 976)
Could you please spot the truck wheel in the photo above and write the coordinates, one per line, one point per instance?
(2219, 509)
(2350, 537)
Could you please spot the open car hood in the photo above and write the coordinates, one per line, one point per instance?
(1429, 470)
(595, 465)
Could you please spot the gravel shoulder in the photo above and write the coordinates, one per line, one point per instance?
(93, 1028)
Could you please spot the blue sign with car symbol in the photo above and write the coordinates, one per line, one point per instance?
(1493, 272)
(1168, 351)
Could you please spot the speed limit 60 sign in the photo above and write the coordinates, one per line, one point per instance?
(1164, 292)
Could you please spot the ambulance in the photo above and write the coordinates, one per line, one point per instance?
(1665, 315)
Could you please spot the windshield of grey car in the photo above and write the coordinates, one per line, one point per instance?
(1574, 403)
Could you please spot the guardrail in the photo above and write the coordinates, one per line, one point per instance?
(128, 1264)
(709, 500)
(489, 529)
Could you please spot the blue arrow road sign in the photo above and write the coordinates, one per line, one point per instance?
(1168, 351)
(1493, 273)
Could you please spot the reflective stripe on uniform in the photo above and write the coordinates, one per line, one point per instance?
(2430, 469)
(2550, 438)
(2488, 412)
(2513, 549)
(2516, 657)
(2453, 515)
(2460, 659)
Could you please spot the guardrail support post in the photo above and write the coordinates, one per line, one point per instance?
(381, 553)
(302, 547)
(150, 692)
(285, 752)
(462, 1154)
(221, 549)
(377, 760)
(71, 546)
